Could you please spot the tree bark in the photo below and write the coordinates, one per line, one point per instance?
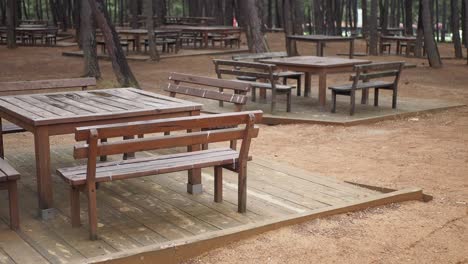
(432, 51)
(373, 33)
(455, 26)
(409, 17)
(88, 42)
(150, 27)
(365, 23)
(252, 22)
(11, 9)
(119, 63)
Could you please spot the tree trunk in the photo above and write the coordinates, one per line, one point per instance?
(134, 13)
(318, 17)
(288, 18)
(119, 62)
(409, 17)
(298, 16)
(373, 33)
(11, 9)
(252, 22)
(429, 43)
(150, 27)
(365, 26)
(88, 42)
(444, 20)
(455, 26)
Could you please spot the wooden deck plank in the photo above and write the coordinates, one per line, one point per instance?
(125, 94)
(85, 99)
(13, 249)
(69, 99)
(99, 100)
(46, 107)
(29, 107)
(61, 105)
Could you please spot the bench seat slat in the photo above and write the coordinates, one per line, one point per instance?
(7, 172)
(109, 171)
(205, 93)
(364, 85)
(10, 128)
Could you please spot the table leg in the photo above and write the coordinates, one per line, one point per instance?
(194, 185)
(398, 47)
(307, 84)
(351, 49)
(137, 43)
(318, 48)
(322, 90)
(365, 96)
(205, 39)
(44, 178)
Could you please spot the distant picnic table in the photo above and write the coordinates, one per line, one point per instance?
(204, 31)
(138, 33)
(30, 33)
(316, 65)
(398, 40)
(49, 114)
(321, 40)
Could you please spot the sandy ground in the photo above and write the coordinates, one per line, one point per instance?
(429, 151)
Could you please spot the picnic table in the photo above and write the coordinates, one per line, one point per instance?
(32, 31)
(204, 31)
(321, 40)
(138, 33)
(316, 65)
(49, 114)
(398, 40)
(391, 30)
(189, 20)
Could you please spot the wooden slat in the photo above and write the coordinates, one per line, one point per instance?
(70, 99)
(239, 72)
(253, 65)
(209, 94)
(256, 56)
(59, 104)
(169, 124)
(29, 107)
(8, 170)
(374, 75)
(380, 66)
(46, 84)
(45, 106)
(207, 81)
(11, 128)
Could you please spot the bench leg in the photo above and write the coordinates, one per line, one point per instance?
(353, 102)
(75, 206)
(130, 155)
(92, 212)
(218, 184)
(103, 158)
(2, 152)
(376, 97)
(299, 84)
(242, 189)
(233, 144)
(394, 98)
(254, 95)
(288, 101)
(14, 210)
(333, 110)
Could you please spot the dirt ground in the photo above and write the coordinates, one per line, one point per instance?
(429, 151)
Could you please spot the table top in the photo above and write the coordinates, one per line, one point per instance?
(202, 28)
(145, 31)
(405, 38)
(92, 105)
(315, 62)
(319, 38)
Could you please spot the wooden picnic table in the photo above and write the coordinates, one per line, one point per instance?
(32, 31)
(321, 40)
(316, 65)
(398, 40)
(50, 114)
(392, 30)
(205, 30)
(138, 33)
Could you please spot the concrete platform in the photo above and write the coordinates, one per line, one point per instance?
(154, 220)
(182, 53)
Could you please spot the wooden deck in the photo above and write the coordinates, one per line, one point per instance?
(149, 218)
(306, 109)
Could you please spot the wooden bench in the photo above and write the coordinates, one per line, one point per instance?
(85, 178)
(39, 85)
(361, 81)
(297, 76)
(8, 179)
(260, 71)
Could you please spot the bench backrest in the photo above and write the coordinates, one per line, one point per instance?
(24, 86)
(259, 56)
(260, 71)
(230, 126)
(367, 72)
(184, 84)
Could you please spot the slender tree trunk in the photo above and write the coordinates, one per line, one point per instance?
(298, 16)
(252, 21)
(444, 20)
(365, 26)
(318, 17)
(288, 15)
(373, 33)
(88, 41)
(455, 25)
(436, 3)
(429, 43)
(465, 22)
(134, 13)
(409, 17)
(11, 9)
(150, 27)
(119, 62)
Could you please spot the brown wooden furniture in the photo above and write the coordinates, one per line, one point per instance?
(362, 81)
(39, 85)
(205, 31)
(85, 178)
(260, 71)
(209, 88)
(321, 40)
(46, 115)
(316, 65)
(227, 39)
(8, 179)
(408, 40)
(272, 55)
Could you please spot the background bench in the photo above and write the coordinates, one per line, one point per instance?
(259, 71)
(84, 178)
(297, 76)
(362, 77)
(8, 179)
(39, 85)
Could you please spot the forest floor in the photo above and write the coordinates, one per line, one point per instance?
(428, 151)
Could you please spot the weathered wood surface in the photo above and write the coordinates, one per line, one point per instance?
(321, 40)
(157, 209)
